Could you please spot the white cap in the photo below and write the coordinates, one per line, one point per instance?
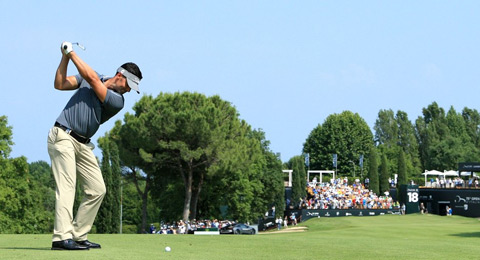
(132, 80)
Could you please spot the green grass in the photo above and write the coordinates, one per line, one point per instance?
(380, 237)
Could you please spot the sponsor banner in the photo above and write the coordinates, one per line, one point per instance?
(469, 166)
(312, 213)
(464, 202)
(467, 202)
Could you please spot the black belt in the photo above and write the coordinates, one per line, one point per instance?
(69, 131)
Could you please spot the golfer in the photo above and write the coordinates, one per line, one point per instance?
(96, 100)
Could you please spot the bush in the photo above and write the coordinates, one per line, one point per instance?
(129, 229)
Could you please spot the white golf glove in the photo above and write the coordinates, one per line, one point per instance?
(67, 47)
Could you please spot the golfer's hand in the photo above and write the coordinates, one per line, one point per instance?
(66, 47)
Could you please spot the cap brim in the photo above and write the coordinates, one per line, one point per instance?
(132, 80)
(133, 85)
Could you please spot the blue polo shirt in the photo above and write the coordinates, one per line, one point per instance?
(84, 112)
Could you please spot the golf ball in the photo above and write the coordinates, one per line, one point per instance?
(168, 249)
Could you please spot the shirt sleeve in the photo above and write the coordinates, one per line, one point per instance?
(112, 104)
(79, 79)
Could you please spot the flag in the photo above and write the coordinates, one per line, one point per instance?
(307, 159)
(361, 161)
(335, 160)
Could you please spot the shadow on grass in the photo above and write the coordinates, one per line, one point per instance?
(25, 248)
(471, 234)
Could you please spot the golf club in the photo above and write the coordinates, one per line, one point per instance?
(79, 45)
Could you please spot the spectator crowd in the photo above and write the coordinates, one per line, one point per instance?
(188, 227)
(338, 194)
(453, 183)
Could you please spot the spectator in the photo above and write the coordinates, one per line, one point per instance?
(279, 223)
(422, 208)
(152, 229)
(448, 211)
(442, 183)
(181, 227)
(294, 219)
(449, 183)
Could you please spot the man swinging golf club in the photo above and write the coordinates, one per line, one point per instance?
(96, 100)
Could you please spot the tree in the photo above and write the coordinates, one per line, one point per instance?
(299, 178)
(21, 203)
(115, 188)
(446, 139)
(472, 125)
(132, 210)
(236, 182)
(247, 181)
(131, 160)
(408, 142)
(109, 214)
(346, 135)
(373, 171)
(386, 130)
(430, 130)
(104, 216)
(402, 173)
(42, 187)
(5, 138)
(393, 132)
(462, 143)
(196, 140)
(271, 177)
(384, 184)
(41, 172)
(402, 176)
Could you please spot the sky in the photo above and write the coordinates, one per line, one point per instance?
(284, 65)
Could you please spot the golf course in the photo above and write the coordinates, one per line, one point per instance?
(412, 236)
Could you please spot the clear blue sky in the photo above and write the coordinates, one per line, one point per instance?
(285, 65)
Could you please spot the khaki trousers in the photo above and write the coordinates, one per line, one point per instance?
(72, 160)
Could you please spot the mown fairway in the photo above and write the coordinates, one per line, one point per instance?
(381, 237)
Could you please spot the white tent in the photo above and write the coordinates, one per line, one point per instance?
(450, 173)
(446, 173)
(439, 173)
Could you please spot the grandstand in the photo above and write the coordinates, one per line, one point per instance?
(338, 198)
(459, 191)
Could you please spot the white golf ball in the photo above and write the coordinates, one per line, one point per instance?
(168, 249)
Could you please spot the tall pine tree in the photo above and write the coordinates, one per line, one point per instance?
(402, 172)
(373, 171)
(108, 218)
(104, 216)
(115, 188)
(299, 177)
(384, 185)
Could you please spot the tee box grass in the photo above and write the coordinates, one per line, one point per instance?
(413, 236)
